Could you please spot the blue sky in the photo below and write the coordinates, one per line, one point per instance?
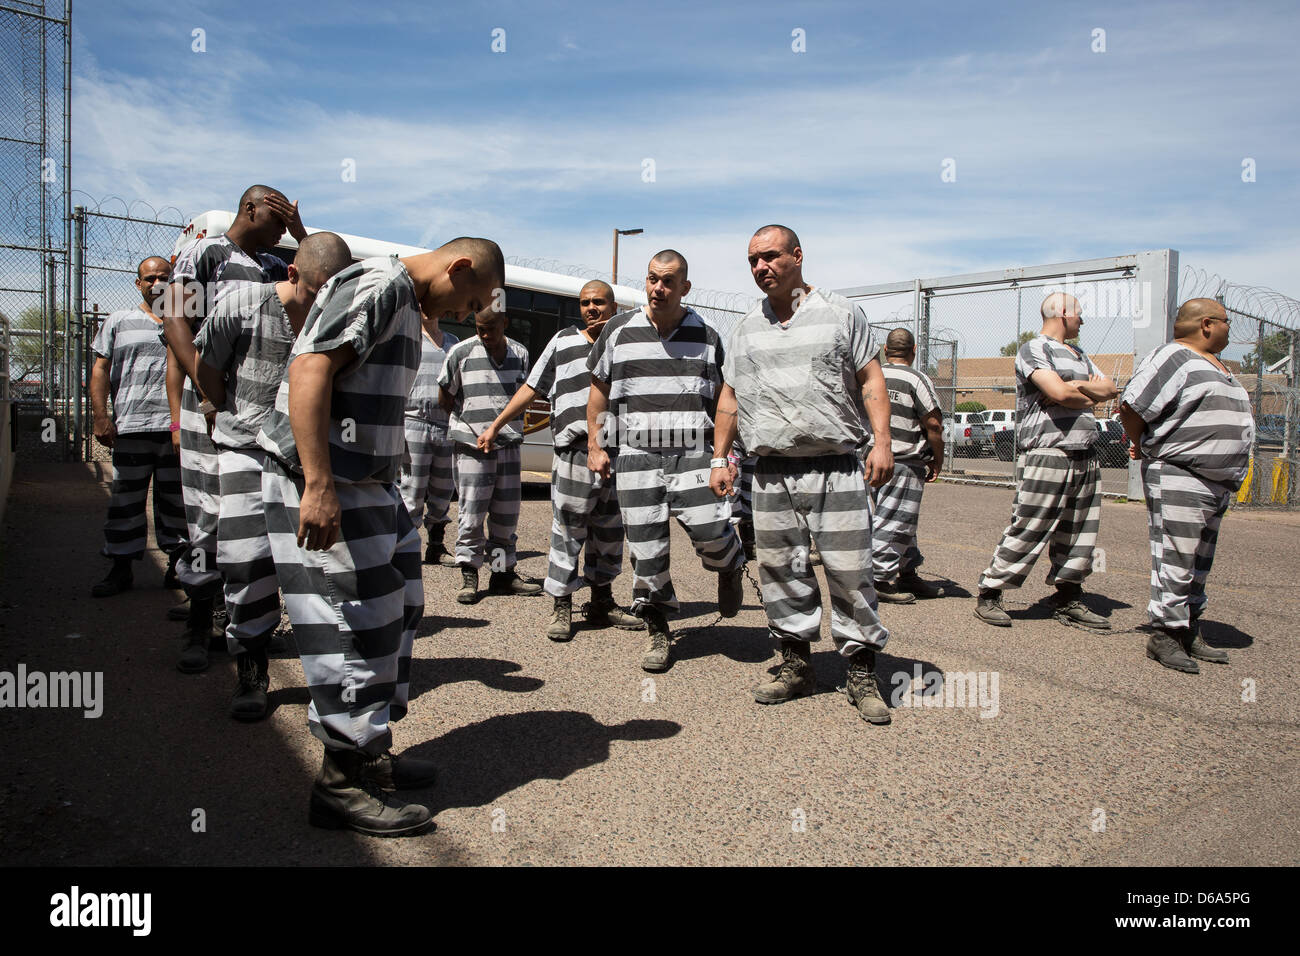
(1061, 153)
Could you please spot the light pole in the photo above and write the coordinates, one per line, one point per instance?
(617, 233)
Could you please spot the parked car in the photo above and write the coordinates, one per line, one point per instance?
(1272, 429)
(1112, 444)
(1002, 419)
(968, 434)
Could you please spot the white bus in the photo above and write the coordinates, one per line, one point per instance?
(538, 304)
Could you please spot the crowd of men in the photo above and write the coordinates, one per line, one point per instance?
(300, 421)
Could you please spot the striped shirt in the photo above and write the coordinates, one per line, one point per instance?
(662, 391)
(212, 262)
(561, 374)
(1198, 417)
(249, 337)
(371, 306)
(481, 389)
(137, 372)
(911, 398)
(797, 385)
(1045, 424)
(422, 403)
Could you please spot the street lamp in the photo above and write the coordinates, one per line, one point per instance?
(617, 233)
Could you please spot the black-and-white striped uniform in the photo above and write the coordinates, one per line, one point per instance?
(427, 481)
(584, 506)
(355, 606)
(897, 502)
(248, 337)
(1058, 476)
(1196, 453)
(800, 410)
(487, 483)
(142, 450)
(218, 266)
(662, 396)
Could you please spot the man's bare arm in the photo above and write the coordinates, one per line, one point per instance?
(1134, 427)
(597, 414)
(726, 425)
(875, 399)
(1055, 389)
(933, 425)
(104, 429)
(212, 383)
(311, 377)
(514, 408)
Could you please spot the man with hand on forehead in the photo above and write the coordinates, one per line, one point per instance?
(346, 551)
(655, 376)
(584, 503)
(244, 349)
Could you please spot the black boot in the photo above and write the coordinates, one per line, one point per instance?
(1166, 646)
(604, 611)
(344, 797)
(747, 538)
(249, 701)
(436, 550)
(198, 634)
(730, 593)
(120, 578)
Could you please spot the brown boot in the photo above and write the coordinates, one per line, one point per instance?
(862, 690)
(345, 797)
(794, 679)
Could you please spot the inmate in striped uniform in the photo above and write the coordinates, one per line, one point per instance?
(800, 413)
(248, 337)
(355, 606)
(137, 376)
(662, 395)
(487, 483)
(897, 502)
(215, 264)
(1196, 452)
(1058, 477)
(584, 505)
(427, 479)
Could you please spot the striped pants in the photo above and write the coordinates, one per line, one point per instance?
(654, 486)
(897, 508)
(585, 511)
(244, 552)
(487, 486)
(427, 480)
(354, 607)
(1183, 513)
(742, 504)
(826, 498)
(137, 458)
(1058, 503)
(201, 489)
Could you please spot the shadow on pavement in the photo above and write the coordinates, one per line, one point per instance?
(428, 674)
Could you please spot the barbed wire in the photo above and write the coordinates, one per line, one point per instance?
(1256, 301)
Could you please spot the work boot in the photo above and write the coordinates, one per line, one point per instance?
(1069, 609)
(468, 593)
(561, 626)
(656, 656)
(119, 578)
(911, 581)
(508, 582)
(730, 593)
(172, 580)
(436, 550)
(198, 637)
(1166, 646)
(249, 702)
(794, 679)
(747, 538)
(603, 611)
(179, 612)
(989, 609)
(390, 772)
(345, 797)
(891, 592)
(1195, 647)
(860, 686)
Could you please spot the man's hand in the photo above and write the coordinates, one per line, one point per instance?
(176, 441)
(1134, 451)
(722, 480)
(880, 465)
(598, 461)
(289, 214)
(319, 516)
(211, 419)
(486, 439)
(932, 469)
(105, 431)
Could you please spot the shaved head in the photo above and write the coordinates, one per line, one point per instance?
(320, 256)
(1190, 313)
(489, 263)
(789, 241)
(597, 287)
(671, 257)
(1057, 304)
(151, 264)
(900, 342)
(256, 194)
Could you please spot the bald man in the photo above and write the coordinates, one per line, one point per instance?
(132, 363)
(205, 270)
(1058, 475)
(1189, 422)
(584, 504)
(916, 429)
(656, 373)
(243, 351)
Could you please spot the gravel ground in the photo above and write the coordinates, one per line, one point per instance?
(554, 754)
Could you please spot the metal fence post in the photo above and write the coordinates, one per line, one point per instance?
(78, 304)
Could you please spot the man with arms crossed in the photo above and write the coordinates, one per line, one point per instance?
(801, 366)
